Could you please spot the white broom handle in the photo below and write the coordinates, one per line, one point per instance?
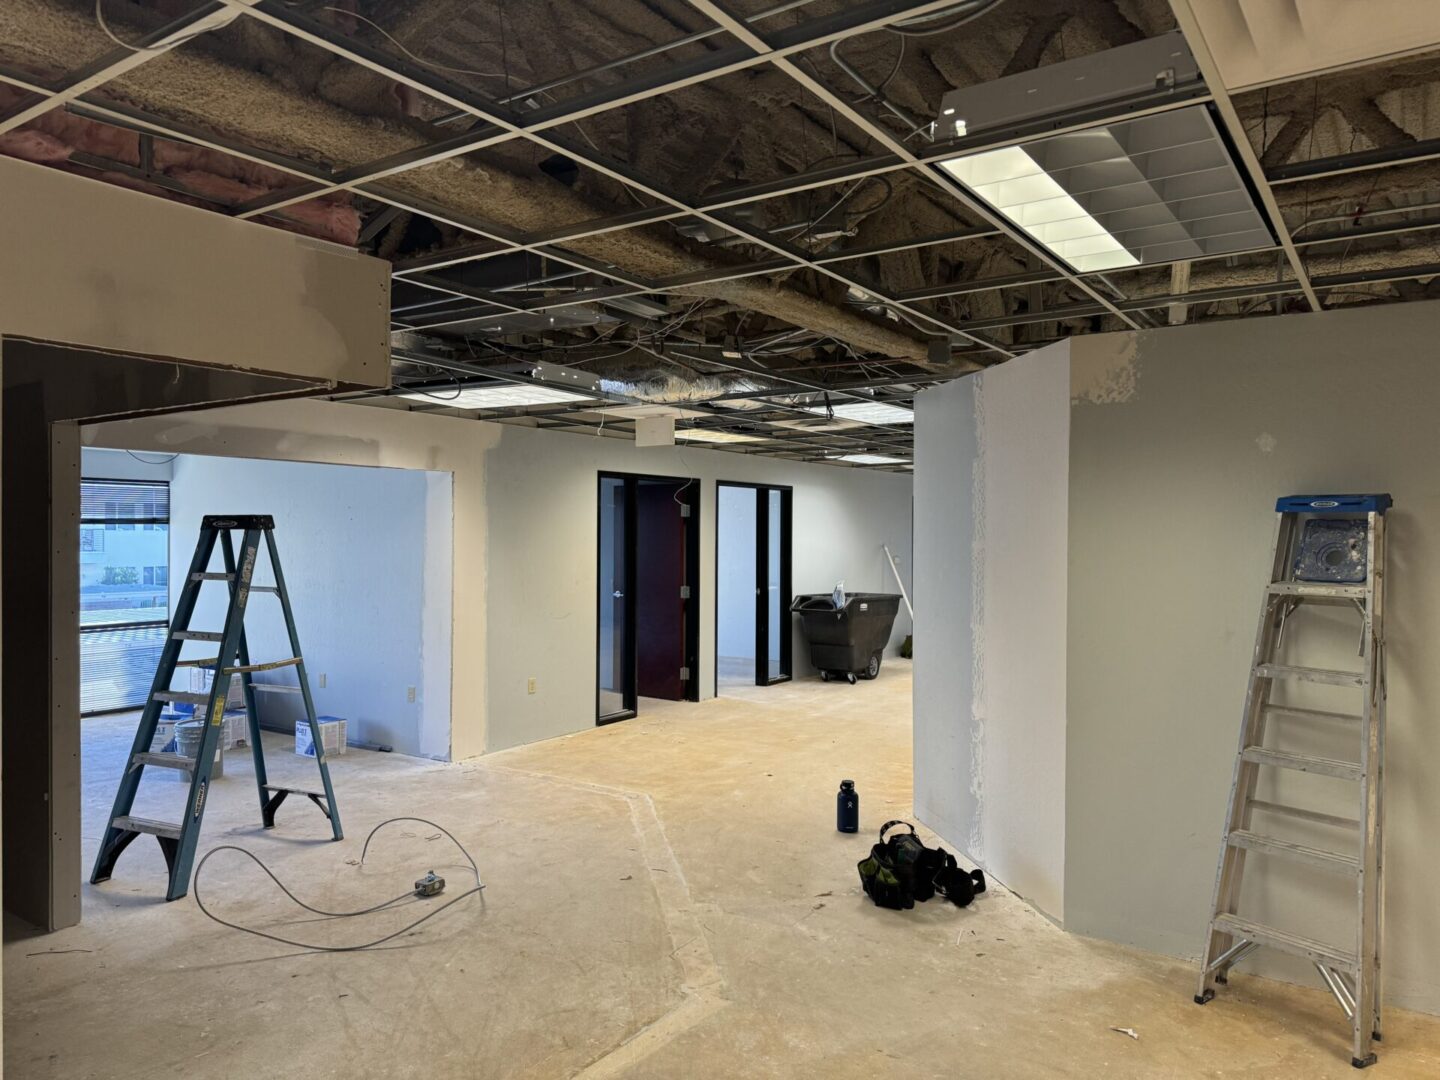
(903, 594)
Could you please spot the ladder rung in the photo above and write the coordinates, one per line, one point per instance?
(1288, 713)
(208, 662)
(1317, 590)
(1270, 845)
(1304, 814)
(187, 697)
(268, 666)
(212, 577)
(166, 829)
(276, 688)
(1296, 945)
(197, 635)
(164, 761)
(1345, 770)
(265, 588)
(295, 790)
(1310, 674)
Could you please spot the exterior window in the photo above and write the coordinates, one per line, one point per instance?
(124, 590)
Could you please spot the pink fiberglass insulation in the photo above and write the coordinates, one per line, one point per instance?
(213, 177)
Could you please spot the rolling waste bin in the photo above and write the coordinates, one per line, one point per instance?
(847, 640)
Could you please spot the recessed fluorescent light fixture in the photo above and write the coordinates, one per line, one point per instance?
(1156, 189)
(869, 459)
(499, 396)
(1018, 186)
(711, 436)
(867, 412)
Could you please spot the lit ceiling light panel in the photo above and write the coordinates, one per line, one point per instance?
(866, 412)
(1153, 190)
(870, 459)
(500, 396)
(1014, 183)
(710, 436)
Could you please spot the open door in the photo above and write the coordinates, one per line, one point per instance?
(752, 569)
(648, 600)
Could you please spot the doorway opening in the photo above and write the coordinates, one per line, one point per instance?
(752, 585)
(648, 602)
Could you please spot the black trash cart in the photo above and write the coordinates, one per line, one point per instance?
(847, 641)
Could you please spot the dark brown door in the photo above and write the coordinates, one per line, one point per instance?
(659, 580)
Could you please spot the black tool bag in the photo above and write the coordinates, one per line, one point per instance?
(902, 870)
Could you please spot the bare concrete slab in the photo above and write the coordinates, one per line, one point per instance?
(667, 897)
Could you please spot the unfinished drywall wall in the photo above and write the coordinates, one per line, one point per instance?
(992, 488)
(333, 433)
(98, 265)
(1173, 481)
(364, 577)
(541, 493)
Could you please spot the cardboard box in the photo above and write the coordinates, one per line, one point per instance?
(332, 735)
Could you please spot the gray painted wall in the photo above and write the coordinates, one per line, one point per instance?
(1181, 440)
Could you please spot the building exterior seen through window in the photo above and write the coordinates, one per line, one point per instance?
(124, 590)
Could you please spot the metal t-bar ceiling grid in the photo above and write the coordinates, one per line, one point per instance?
(745, 47)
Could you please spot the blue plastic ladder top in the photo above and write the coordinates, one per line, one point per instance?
(1333, 504)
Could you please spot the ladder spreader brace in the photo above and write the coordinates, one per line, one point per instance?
(178, 839)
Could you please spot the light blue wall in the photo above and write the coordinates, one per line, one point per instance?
(735, 572)
(367, 560)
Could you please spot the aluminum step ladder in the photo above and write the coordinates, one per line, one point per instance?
(1329, 549)
(178, 838)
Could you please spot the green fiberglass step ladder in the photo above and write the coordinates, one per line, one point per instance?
(178, 839)
(1329, 549)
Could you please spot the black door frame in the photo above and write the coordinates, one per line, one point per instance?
(689, 496)
(762, 621)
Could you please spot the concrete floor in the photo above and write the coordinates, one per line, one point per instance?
(667, 898)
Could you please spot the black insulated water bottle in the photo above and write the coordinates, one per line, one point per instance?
(847, 808)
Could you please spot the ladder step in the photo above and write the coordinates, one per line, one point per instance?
(1310, 674)
(276, 688)
(1317, 590)
(265, 588)
(1304, 815)
(212, 577)
(268, 666)
(207, 662)
(1295, 944)
(167, 829)
(1285, 712)
(187, 697)
(1269, 845)
(196, 635)
(163, 761)
(1345, 770)
(296, 791)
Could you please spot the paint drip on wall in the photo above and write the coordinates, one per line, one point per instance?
(1104, 369)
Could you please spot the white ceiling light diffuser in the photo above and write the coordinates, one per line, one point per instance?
(499, 396)
(1013, 183)
(866, 412)
(711, 436)
(1153, 190)
(869, 459)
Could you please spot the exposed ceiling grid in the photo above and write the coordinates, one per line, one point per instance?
(708, 204)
